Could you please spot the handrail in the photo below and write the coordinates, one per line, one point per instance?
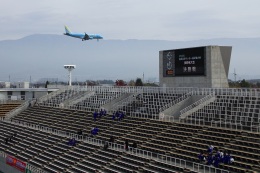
(180, 90)
(174, 102)
(17, 110)
(123, 102)
(197, 103)
(117, 147)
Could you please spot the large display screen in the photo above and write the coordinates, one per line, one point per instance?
(184, 62)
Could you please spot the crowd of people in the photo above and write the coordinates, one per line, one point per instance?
(118, 116)
(99, 114)
(215, 158)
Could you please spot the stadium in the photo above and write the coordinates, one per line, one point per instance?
(191, 123)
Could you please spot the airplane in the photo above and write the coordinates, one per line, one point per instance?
(83, 36)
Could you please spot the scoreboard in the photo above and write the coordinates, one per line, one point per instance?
(184, 62)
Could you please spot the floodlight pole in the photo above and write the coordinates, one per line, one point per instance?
(70, 77)
(69, 68)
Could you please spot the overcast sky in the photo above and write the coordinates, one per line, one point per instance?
(132, 19)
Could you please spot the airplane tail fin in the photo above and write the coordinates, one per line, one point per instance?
(67, 30)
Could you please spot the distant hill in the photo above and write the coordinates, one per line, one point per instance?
(43, 56)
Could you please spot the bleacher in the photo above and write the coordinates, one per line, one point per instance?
(168, 138)
(148, 103)
(62, 96)
(7, 107)
(162, 139)
(99, 98)
(242, 111)
(51, 153)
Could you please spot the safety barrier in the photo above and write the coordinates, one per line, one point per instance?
(119, 147)
(197, 103)
(183, 97)
(235, 126)
(17, 110)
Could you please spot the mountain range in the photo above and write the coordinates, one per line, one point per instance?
(43, 56)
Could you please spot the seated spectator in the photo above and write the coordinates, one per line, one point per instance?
(117, 114)
(221, 155)
(201, 157)
(126, 144)
(231, 160)
(210, 159)
(210, 149)
(217, 154)
(225, 158)
(94, 131)
(112, 140)
(134, 145)
(216, 161)
(72, 142)
(122, 115)
(95, 115)
(101, 113)
(106, 146)
(104, 112)
(113, 117)
(228, 157)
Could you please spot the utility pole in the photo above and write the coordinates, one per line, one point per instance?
(235, 75)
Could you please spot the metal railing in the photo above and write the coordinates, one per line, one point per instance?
(17, 110)
(197, 103)
(118, 147)
(229, 124)
(123, 102)
(183, 97)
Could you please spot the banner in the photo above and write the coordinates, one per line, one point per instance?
(12, 161)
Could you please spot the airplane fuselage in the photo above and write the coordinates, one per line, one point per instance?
(84, 36)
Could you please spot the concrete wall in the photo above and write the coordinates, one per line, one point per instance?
(109, 106)
(217, 59)
(29, 93)
(3, 95)
(175, 109)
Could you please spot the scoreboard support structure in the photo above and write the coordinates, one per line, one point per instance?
(199, 67)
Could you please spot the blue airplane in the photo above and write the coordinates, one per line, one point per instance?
(82, 36)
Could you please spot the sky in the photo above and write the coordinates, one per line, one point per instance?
(132, 19)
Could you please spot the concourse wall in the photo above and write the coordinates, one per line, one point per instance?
(216, 67)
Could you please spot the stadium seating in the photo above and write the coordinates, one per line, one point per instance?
(7, 107)
(183, 140)
(148, 103)
(174, 139)
(240, 110)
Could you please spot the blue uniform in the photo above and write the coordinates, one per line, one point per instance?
(95, 115)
